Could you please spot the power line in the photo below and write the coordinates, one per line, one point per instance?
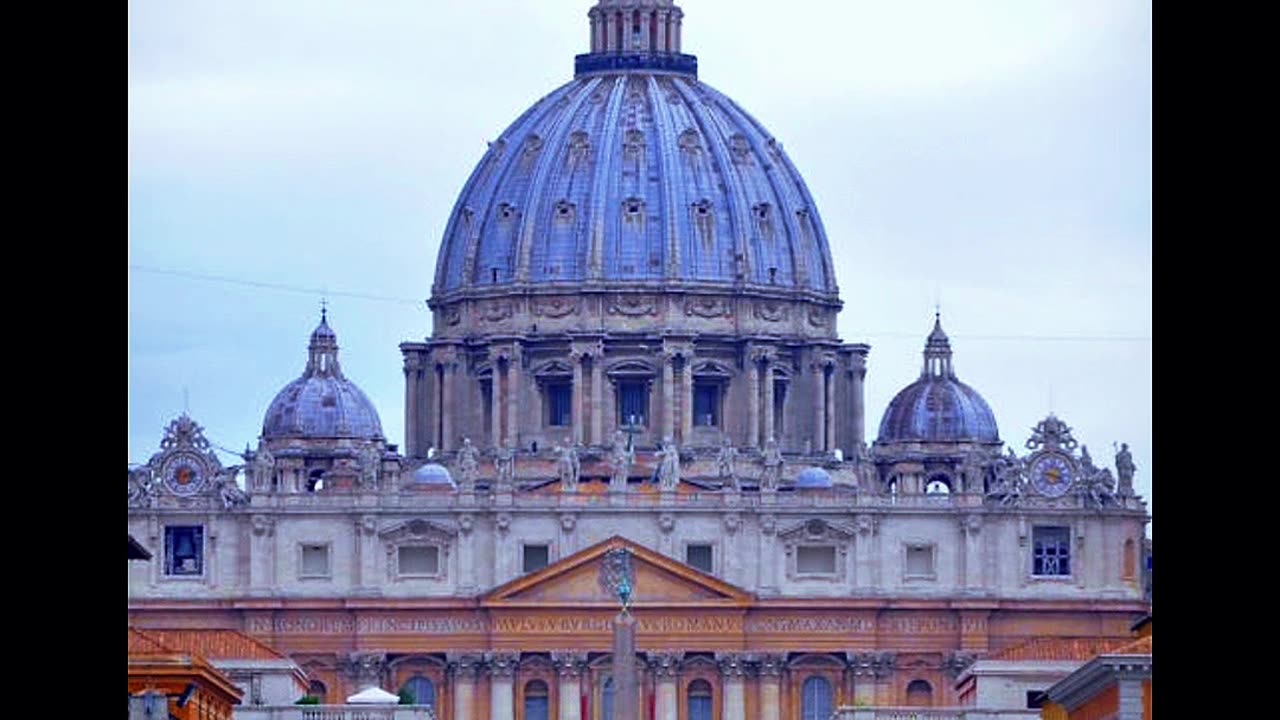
(408, 301)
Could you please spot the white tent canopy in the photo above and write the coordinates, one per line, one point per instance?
(373, 696)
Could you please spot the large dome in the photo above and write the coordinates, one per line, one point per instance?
(322, 403)
(938, 407)
(635, 174)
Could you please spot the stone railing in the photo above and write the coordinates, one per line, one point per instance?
(882, 712)
(334, 712)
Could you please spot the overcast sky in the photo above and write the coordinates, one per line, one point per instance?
(990, 155)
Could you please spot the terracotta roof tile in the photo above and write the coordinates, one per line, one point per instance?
(1057, 648)
(214, 644)
(1141, 646)
(142, 644)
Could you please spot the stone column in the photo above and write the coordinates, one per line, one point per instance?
(261, 554)
(862, 667)
(569, 666)
(464, 669)
(364, 553)
(513, 398)
(970, 529)
(686, 400)
(668, 395)
(597, 397)
(768, 562)
(733, 670)
(753, 403)
(467, 561)
(365, 670)
(856, 412)
(829, 381)
(610, 20)
(665, 667)
(495, 402)
(579, 411)
(411, 411)
(448, 364)
(768, 400)
(502, 666)
(644, 31)
(771, 686)
(662, 31)
(819, 409)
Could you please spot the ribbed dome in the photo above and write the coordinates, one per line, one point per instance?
(635, 173)
(433, 474)
(938, 407)
(322, 403)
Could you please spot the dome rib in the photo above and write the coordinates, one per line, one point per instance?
(668, 164)
(605, 155)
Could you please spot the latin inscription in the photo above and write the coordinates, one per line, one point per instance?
(920, 625)
(812, 624)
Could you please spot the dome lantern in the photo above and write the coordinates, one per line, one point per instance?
(636, 35)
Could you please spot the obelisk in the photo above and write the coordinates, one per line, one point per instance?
(619, 576)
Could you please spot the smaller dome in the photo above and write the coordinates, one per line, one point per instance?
(938, 407)
(433, 474)
(322, 403)
(813, 478)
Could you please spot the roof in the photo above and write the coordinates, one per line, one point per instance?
(1141, 646)
(211, 644)
(142, 644)
(1056, 648)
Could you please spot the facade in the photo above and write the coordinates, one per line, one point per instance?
(633, 345)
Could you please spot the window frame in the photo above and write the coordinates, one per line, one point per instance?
(645, 385)
(327, 545)
(1065, 543)
(524, 546)
(835, 561)
(550, 388)
(201, 533)
(717, 386)
(916, 545)
(711, 547)
(402, 575)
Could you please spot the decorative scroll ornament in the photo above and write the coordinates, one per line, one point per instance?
(771, 311)
(818, 317)
(1009, 482)
(555, 307)
(633, 305)
(496, 312)
(185, 463)
(1051, 434)
(142, 487)
(707, 307)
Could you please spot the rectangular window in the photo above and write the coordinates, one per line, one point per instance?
(315, 561)
(698, 556)
(779, 405)
(419, 560)
(536, 557)
(816, 560)
(919, 561)
(633, 403)
(486, 400)
(184, 550)
(706, 404)
(560, 404)
(1051, 551)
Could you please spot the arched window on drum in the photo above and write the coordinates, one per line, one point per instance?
(537, 702)
(422, 689)
(816, 699)
(700, 701)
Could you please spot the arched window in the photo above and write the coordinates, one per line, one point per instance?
(1130, 560)
(938, 485)
(317, 689)
(919, 693)
(423, 690)
(606, 700)
(816, 703)
(536, 701)
(700, 700)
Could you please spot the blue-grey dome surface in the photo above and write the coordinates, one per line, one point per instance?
(641, 178)
(433, 474)
(938, 407)
(812, 478)
(322, 403)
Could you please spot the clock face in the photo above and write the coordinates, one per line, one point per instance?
(1052, 475)
(183, 475)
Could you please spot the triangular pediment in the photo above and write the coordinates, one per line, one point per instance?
(575, 580)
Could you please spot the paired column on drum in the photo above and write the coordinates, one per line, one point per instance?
(665, 668)
(569, 668)
(505, 360)
(733, 684)
(502, 692)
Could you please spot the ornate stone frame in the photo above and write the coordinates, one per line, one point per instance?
(417, 533)
(716, 554)
(816, 532)
(551, 552)
(205, 551)
(328, 559)
(909, 544)
(544, 375)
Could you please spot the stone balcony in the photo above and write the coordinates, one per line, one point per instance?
(882, 712)
(334, 712)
